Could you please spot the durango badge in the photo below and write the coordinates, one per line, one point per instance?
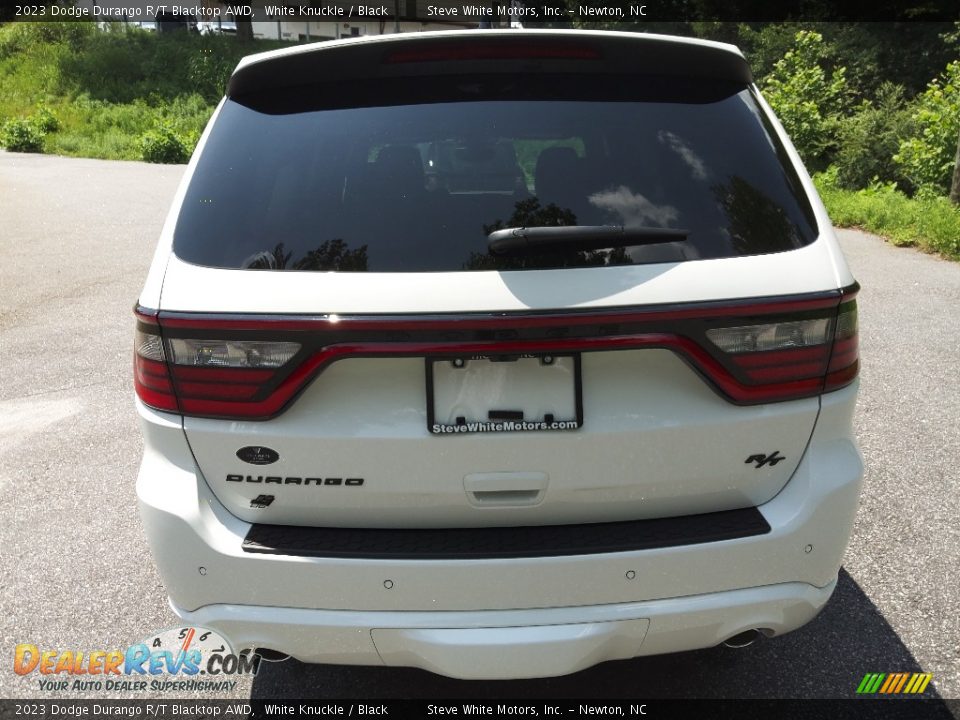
(257, 455)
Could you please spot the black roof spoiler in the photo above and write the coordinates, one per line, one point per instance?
(488, 51)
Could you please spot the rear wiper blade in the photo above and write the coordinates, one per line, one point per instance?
(584, 237)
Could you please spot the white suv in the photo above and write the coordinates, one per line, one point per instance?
(499, 354)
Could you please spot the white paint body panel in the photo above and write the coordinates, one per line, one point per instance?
(656, 442)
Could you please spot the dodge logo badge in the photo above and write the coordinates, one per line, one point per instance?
(256, 455)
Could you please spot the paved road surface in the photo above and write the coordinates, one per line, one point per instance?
(75, 573)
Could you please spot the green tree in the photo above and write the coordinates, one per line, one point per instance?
(928, 157)
(808, 103)
(870, 137)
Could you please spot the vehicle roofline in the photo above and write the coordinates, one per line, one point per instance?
(333, 45)
(368, 47)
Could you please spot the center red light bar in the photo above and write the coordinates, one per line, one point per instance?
(494, 51)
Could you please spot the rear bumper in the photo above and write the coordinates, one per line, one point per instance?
(505, 644)
(451, 616)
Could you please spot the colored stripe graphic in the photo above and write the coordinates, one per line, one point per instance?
(920, 682)
(894, 683)
(873, 681)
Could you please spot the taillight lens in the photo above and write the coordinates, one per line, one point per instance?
(771, 336)
(150, 377)
(212, 377)
(792, 358)
(845, 356)
(231, 353)
(227, 377)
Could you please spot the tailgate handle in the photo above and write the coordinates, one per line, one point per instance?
(503, 489)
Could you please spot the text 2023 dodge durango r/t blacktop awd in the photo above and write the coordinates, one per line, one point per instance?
(499, 354)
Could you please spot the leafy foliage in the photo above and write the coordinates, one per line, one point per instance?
(123, 66)
(21, 136)
(22, 36)
(927, 157)
(208, 72)
(98, 93)
(164, 145)
(45, 120)
(869, 138)
(807, 102)
(28, 134)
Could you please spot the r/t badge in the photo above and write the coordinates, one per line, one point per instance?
(761, 460)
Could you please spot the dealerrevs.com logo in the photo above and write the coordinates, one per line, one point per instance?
(179, 659)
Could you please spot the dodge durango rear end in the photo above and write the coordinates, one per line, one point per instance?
(499, 354)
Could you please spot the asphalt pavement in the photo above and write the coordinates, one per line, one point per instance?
(77, 237)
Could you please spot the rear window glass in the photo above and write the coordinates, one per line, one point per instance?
(412, 175)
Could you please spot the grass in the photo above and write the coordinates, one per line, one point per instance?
(108, 90)
(931, 224)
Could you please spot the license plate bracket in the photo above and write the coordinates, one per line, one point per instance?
(504, 393)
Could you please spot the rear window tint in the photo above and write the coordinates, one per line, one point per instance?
(412, 175)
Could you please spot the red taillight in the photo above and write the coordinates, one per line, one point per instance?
(252, 367)
(150, 377)
(210, 377)
(792, 358)
(227, 377)
(845, 356)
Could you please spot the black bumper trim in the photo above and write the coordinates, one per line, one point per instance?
(504, 542)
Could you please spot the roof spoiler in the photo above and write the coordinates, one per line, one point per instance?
(484, 51)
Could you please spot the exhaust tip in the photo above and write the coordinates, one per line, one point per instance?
(742, 640)
(271, 655)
